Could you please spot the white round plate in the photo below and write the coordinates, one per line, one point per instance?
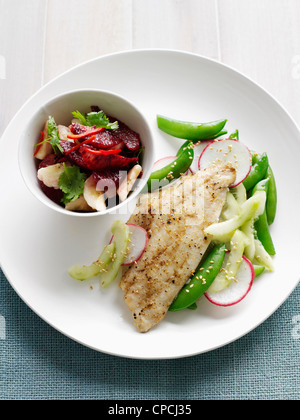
(37, 245)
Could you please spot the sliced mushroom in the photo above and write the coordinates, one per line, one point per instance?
(63, 132)
(75, 121)
(95, 199)
(126, 186)
(50, 175)
(78, 205)
(45, 148)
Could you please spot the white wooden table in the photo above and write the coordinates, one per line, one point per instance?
(40, 39)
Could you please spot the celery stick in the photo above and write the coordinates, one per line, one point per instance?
(262, 257)
(120, 232)
(248, 230)
(240, 194)
(250, 209)
(231, 263)
(84, 272)
(231, 207)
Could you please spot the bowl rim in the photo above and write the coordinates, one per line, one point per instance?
(51, 204)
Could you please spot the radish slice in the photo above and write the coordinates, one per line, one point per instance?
(198, 149)
(161, 163)
(228, 151)
(238, 288)
(138, 239)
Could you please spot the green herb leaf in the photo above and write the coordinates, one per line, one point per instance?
(80, 117)
(98, 119)
(52, 136)
(71, 182)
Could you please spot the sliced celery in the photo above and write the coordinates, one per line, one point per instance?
(232, 262)
(262, 257)
(120, 232)
(231, 207)
(248, 230)
(240, 194)
(84, 272)
(250, 209)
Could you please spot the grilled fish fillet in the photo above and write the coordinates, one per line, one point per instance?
(174, 218)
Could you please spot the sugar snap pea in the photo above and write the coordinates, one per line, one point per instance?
(190, 130)
(258, 270)
(271, 204)
(174, 170)
(201, 280)
(234, 135)
(261, 224)
(260, 164)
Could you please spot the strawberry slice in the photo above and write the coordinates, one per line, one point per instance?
(99, 162)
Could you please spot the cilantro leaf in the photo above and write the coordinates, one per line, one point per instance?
(98, 119)
(71, 182)
(52, 136)
(80, 117)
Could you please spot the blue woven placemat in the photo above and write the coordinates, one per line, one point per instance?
(39, 363)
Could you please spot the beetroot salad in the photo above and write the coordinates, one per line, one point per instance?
(90, 165)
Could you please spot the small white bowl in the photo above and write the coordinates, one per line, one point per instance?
(61, 108)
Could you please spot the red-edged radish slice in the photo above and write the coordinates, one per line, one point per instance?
(198, 149)
(238, 288)
(138, 239)
(228, 151)
(161, 163)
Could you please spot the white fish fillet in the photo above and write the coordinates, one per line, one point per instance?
(175, 218)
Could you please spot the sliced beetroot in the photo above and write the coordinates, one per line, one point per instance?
(106, 140)
(96, 162)
(109, 176)
(74, 156)
(77, 128)
(95, 108)
(109, 181)
(129, 137)
(55, 195)
(48, 161)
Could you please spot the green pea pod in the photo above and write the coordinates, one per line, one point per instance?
(271, 204)
(221, 133)
(260, 164)
(174, 170)
(190, 130)
(234, 135)
(261, 224)
(258, 270)
(201, 280)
